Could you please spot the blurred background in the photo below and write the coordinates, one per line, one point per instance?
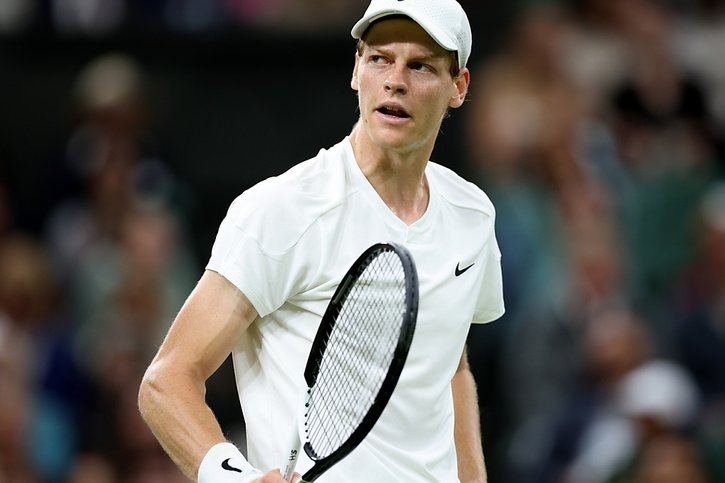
(597, 127)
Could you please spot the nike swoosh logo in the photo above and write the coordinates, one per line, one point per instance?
(228, 467)
(460, 271)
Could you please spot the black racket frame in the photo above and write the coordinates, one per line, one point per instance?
(399, 357)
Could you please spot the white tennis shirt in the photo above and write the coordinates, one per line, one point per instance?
(287, 242)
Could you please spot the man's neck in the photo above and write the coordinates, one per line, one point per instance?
(398, 178)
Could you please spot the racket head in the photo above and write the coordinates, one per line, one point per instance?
(383, 281)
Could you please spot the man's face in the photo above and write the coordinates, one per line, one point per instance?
(404, 85)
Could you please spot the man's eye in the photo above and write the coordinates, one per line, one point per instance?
(421, 67)
(377, 59)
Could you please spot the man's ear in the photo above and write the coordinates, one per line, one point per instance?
(354, 83)
(462, 82)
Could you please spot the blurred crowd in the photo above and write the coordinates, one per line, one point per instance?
(101, 18)
(598, 132)
(597, 129)
(84, 304)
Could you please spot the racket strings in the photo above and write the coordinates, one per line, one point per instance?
(335, 399)
(359, 352)
(353, 372)
(340, 407)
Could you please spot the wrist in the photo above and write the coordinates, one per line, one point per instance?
(224, 463)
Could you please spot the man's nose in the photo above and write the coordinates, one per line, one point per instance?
(396, 82)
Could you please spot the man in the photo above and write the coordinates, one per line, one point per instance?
(285, 245)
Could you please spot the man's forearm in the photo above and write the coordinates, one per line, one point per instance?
(172, 394)
(471, 466)
(183, 424)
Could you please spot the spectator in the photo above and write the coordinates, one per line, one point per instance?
(627, 397)
(557, 234)
(664, 134)
(39, 366)
(120, 169)
(670, 458)
(698, 336)
(120, 250)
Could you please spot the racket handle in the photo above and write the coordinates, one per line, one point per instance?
(292, 455)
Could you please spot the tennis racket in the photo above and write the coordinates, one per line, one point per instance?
(356, 358)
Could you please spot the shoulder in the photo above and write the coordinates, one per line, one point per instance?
(458, 192)
(281, 208)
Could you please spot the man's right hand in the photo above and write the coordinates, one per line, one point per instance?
(275, 476)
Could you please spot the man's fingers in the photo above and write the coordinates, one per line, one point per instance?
(275, 476)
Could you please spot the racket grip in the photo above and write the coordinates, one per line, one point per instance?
(291, 462)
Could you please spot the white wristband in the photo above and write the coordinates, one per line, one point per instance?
(224, 463)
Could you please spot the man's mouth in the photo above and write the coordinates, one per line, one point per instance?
(393, 110)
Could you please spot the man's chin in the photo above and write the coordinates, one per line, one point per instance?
(394, 138)
(399, 142)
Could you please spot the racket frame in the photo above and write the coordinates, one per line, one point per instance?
(319, 346)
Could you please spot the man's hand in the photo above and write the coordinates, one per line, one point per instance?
(275, 476)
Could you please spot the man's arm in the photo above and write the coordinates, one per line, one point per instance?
(172, 393)
(467, 432)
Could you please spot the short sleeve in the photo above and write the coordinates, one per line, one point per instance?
(490, 300)
(256, 251)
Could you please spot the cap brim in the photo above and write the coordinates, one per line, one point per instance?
(358, 30)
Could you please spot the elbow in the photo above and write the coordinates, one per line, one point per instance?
(150, 391)
(163, 385)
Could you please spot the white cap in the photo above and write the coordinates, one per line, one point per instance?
(444, 20)
(659, 389)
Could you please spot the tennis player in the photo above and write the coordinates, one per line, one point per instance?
(286, 243)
